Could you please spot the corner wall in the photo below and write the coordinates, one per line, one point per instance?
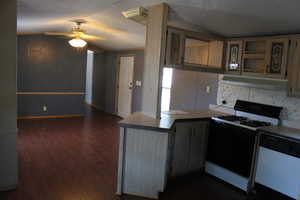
(98, 97)
(8, 105)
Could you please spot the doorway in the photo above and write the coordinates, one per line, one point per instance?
(125, 85)
(89, 78)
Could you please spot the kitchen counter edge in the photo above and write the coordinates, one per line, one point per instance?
(139, 120)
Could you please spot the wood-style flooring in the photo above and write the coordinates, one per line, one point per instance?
(76, 159)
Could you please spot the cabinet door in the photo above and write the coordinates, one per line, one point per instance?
(198, 142)
(277, 51)
(294, 69)
(207, 54)
(234, 57)
(189, 147)
(175, 46)
(254, 57)
(181, 149)
(215, 54)
(196, 51)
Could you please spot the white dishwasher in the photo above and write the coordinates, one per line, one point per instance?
(278, 165)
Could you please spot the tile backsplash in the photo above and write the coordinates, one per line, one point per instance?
(231, 92)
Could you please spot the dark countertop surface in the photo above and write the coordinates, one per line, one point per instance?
(140, 120)
(284, 131)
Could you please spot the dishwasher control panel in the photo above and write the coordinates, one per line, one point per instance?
(280, 144)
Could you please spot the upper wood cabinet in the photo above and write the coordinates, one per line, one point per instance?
(264, 57)
(294, 69)
(175, 47)
(189, 50)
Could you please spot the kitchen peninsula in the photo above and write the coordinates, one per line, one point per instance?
(152, 150)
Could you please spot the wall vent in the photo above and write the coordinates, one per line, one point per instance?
(138, 15)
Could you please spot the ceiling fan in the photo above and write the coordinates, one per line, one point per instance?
(77, 34)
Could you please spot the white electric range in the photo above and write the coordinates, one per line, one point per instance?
(233, 142)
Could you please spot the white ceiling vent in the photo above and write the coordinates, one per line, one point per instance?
(138, 15)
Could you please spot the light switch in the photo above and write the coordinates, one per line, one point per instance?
(45, 108)
(208, 89)
(138, 83)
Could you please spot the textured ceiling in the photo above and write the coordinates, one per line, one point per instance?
(224, 17)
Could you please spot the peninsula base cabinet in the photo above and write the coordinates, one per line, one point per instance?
(147, 158)
(143, 158)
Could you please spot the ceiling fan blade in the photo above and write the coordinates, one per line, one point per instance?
(91, 37)
(59, 34)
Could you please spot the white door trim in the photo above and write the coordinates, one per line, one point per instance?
(118, 78)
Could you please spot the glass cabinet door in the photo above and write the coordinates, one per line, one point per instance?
(234, 57)
(277, 57)
(174, 53)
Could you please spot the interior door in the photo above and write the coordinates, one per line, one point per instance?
(125, 85)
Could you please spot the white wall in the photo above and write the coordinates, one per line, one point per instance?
(89, 77)
(189, 90)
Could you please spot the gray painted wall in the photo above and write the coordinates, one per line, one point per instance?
(50, 64)
(189, 90)
(8, 105)
(98, 98)
(111, 77)
(30, 105)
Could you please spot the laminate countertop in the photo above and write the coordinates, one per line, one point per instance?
(283, 131)
(167, 120)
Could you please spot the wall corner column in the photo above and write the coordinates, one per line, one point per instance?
(156, 35)
(8, 104)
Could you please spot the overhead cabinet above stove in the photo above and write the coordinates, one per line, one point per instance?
(263, 57)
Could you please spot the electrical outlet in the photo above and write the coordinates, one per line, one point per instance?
(138, 83)
(45, 109)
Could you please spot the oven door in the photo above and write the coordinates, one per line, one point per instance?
(231, 147)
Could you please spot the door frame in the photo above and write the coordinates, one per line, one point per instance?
(118, 78)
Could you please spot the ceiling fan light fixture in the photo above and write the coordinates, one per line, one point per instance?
(77, 43)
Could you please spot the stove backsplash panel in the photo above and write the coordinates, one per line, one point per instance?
(231, 92)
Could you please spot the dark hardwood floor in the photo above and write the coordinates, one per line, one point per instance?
(76, 159)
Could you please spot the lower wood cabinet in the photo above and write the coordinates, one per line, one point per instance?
(189, 146)
(143, 161)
